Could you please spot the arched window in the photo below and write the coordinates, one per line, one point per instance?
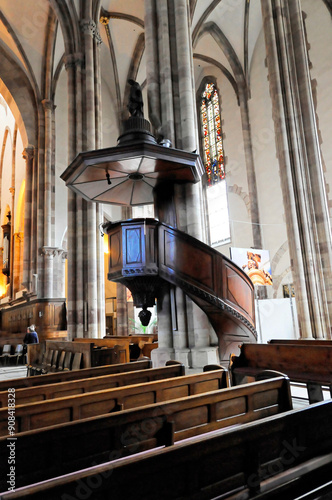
(213, 156)
(213, 150)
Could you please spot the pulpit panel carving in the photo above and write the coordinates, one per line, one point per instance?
(133, 241)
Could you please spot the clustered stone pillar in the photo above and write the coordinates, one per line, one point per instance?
(86, 303)
(49, 253)
(172, 111)
(17, 262)
(61, 282)
(121, 310)
(300, 163)
(28, 155)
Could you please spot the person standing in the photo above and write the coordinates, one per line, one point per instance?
(31, 337)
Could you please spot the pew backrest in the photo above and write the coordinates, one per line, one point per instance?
(311, 342)
(53, 378)
(82, 350)
(252, 460)
(50, 412)
(109, 342)
(311, 365)
(300, 363)
(81, 386)
(96, 440)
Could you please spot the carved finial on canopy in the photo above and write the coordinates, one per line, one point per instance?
(135, 104)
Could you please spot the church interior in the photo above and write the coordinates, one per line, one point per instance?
(166, 212)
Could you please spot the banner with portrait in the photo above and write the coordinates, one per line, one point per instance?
(255, 262)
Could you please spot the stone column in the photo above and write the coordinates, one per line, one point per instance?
(99, 207)
(16, 275)
(165, 350)
(48, 110)
(164, 68)
(49, 253)
(75, 292)
(86, 308)
(152, 65)
(300, 164)
(171, 97)
(60, 283)
(14, 256)
(121, 310)
(39, 198)
(314, 167)
(28, 155)
(180, 326)
(88, 28)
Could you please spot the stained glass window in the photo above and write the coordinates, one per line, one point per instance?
(212, 141)
(214, 165)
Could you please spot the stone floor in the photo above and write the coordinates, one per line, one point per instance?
(9, 372)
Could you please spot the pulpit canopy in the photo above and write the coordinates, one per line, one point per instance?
(127, 174)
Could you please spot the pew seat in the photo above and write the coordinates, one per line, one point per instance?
(53, 378)
(302, 341)
(81, 386)
(50, 412)
(310, 365)
(283, 456)
(95, 440)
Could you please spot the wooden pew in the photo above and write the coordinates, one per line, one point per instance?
(68, 447)
(84, 385)
(58, 410)
(148, 348)
(309, 365)
(109, 342)
(126, 341)
(311, 342)
(282, 456)
(53, 378)
(82, 347)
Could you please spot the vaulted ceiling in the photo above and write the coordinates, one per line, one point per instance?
(224, 34)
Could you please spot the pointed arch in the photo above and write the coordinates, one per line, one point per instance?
(213, 30)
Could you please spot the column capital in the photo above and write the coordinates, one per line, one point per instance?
(62, 253)
(98, 37)
(89, 27)
(28, 153)
(49, 251)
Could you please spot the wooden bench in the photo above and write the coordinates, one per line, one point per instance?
(311, 342)
(126, 341)
(54, 378)
(85, 348)
(110, 343)
(59, 410)
(282, 456)
(309, 365)
(84, 385)
(95, 440)
(148, 348)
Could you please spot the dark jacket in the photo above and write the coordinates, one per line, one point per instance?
(31, 338)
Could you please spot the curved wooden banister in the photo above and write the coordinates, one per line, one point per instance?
(144, 252)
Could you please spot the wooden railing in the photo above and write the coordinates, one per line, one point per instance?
(150, 253)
